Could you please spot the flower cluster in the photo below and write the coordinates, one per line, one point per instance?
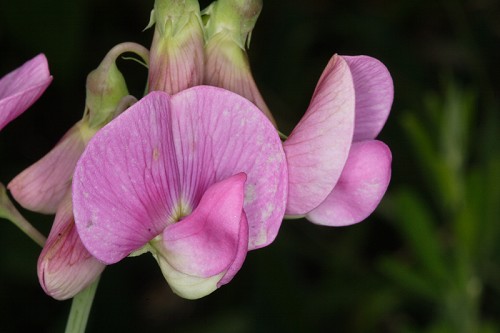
(195, 172)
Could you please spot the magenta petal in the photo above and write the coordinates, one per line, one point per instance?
(207, 241)
(125, 184)
(374, 95)
(42, 186)
(220, 134)
(241, 252)
(151, 166)
(65, 267)
(318, 146)
(359, 190)
(22, 87)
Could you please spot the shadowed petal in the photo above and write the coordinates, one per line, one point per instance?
(209, 242)
(318, 146)
(22, 87)
(65, 267)
(374, 95)
(150, 167)
(359, 190)
(42, 186)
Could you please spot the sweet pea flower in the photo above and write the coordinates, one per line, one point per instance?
(65, 267)
(338, 172)
(20, 88)
(197, 179)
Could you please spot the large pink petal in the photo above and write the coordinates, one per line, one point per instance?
(42, 186)
(218, 134)
(22, 87)
(65, 267)
(125, 185)
(150, 167)
(359, 190)
(318, 146)
(374, 95)
(206, 242)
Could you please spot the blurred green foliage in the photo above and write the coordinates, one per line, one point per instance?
(426, 261)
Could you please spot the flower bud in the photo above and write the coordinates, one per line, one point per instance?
(176, 59)
(228, 30)
(106, 86)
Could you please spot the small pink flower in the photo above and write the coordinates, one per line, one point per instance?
(338, 173)
(197, 179)
(22, 87)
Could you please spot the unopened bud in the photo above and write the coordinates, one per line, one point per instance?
(176, 59)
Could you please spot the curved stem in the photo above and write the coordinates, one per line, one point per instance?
(80, 309)
(9, 212)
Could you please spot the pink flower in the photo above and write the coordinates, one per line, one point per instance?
(197, 179)
(338, 172)
(22, 87)
(65, 267)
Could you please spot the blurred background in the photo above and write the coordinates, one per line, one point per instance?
(428, 259)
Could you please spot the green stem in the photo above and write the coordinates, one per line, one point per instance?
(80, 309)
(282, 136)
(9, 212)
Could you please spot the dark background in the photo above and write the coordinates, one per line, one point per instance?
(376, 276)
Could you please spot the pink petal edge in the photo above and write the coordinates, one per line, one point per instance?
(42, 186)
(361, 187)
(207, 241)
(318, 147)
(20, 88)
(374, 95)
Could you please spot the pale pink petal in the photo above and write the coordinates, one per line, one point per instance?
(65, 267)
(219, 134)
(227, 66)
(206, 242)
(374, 95)
(22, 87)
(125, 185)
(176, 61)
(318, 146)
(42, 186)
(359, 190)
(150, 167)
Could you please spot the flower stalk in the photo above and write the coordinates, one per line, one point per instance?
(9, 212)
(80, 309)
